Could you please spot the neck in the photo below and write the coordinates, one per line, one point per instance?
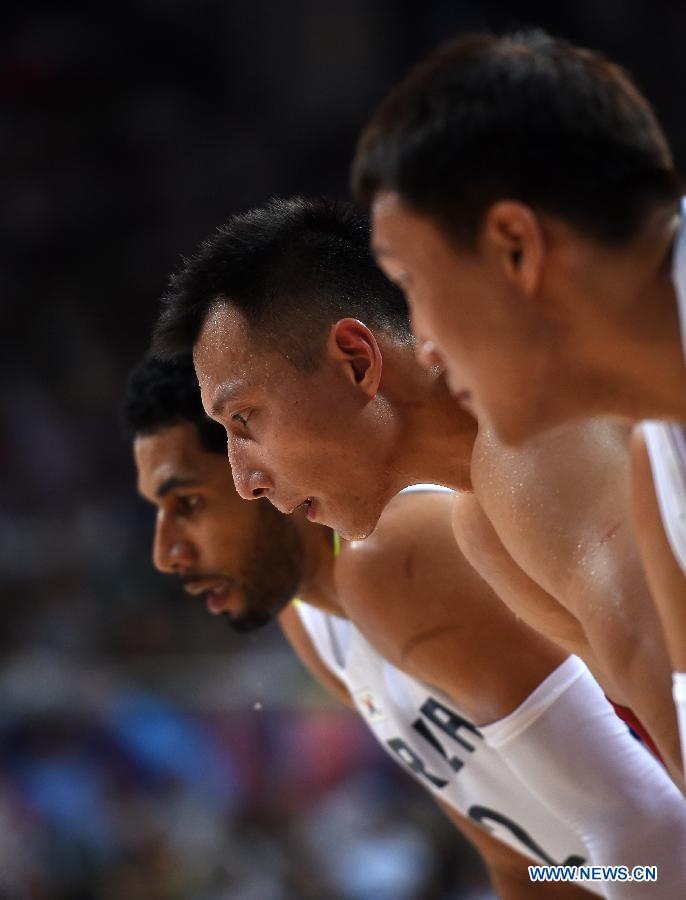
(317, 583)
(631, 346)
(657, 365)
(435, 435)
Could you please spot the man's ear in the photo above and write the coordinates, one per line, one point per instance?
(512, 233)
(352, 344)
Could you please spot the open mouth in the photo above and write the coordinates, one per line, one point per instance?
(216, 594)
(309, 506)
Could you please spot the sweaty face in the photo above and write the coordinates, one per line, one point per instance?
(464, 318)
(306, 440)
(243, 559)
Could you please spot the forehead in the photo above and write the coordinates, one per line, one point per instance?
(175, 446)
(171, 452)
(386, 214)
(229, 361)
(224, 351)
(398, 230)
(385, 204)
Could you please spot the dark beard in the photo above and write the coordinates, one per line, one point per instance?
(272, 574)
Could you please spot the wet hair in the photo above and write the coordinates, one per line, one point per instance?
(291, 269)
(161, 393)
(525, 116)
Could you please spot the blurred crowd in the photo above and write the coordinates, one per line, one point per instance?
(139, 800)
(145, 751)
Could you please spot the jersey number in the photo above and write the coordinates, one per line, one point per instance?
(456, 727)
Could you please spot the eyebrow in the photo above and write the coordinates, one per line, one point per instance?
(174, 482)
(223, 395)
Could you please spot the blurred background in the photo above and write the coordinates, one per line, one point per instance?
(145, 750)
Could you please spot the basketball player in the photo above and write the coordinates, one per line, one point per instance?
(304, 355)
(524, 196)
(419, 667)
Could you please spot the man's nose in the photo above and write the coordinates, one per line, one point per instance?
(250, 479)
(172, 553)
(251, 484)
(427, 355)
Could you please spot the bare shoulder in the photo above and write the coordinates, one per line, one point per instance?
(482, 546)
(410, 569)
(557, 465)
(555, 497)
(567, 447)
(415, 596)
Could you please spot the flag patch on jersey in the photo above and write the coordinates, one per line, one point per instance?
(369, 706)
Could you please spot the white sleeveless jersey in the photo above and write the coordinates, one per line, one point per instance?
(422, 729)
(666, 445)
(666, 442)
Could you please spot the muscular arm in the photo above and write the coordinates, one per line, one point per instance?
(560, 507)
(478, 540)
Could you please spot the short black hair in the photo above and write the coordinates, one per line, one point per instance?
(165, 392)
(524, 116)
(292, 269)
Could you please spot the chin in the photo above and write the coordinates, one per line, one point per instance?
(354, 534)
(359, 528)
(513, 430)
(246, 624)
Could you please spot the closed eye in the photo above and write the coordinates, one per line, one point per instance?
(239, 417)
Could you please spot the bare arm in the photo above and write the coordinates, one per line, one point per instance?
(478, 540)
(561, 509)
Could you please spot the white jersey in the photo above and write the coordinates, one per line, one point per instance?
(666, 442)
(423, 730)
